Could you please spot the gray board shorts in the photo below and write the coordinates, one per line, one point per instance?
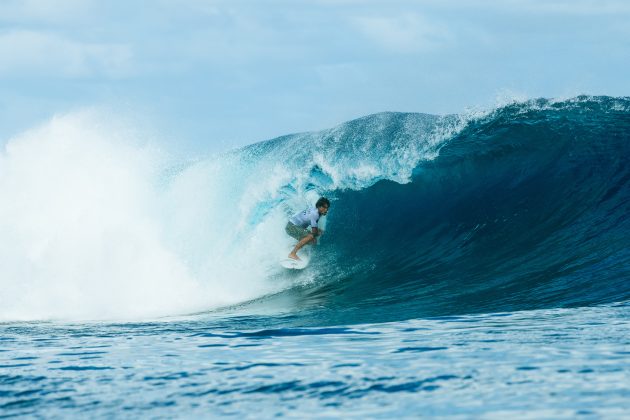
(296, 231)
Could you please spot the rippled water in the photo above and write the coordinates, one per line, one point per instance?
(548, 363)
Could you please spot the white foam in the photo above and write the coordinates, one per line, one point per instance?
(88, 232)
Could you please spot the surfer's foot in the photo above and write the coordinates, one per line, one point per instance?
(294, 256)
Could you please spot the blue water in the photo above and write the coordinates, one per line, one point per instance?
(547, 363)
(471, 266)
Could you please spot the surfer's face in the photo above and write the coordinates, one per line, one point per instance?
(323, 210)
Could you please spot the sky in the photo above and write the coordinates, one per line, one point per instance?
(217, 74)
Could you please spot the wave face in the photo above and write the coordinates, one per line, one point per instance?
(524, 207)
(527, 207)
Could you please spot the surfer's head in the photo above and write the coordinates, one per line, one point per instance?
(322, 206)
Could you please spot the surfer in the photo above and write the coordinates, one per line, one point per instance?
(298, 225)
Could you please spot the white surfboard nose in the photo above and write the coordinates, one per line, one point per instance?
(290, 263)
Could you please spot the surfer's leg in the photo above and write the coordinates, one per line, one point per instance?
(308, 238)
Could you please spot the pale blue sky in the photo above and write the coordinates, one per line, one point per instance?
(210, 75)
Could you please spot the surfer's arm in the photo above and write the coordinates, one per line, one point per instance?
(315, 233)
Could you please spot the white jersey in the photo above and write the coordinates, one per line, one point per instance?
(306, 218)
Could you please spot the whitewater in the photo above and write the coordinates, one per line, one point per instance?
(472, 265)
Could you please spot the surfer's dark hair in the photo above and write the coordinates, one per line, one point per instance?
(322, 202)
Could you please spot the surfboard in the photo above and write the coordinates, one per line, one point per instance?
(290, 263)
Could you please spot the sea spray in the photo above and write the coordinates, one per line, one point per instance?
(84, 231)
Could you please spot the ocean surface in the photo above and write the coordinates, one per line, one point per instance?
(473, 265)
